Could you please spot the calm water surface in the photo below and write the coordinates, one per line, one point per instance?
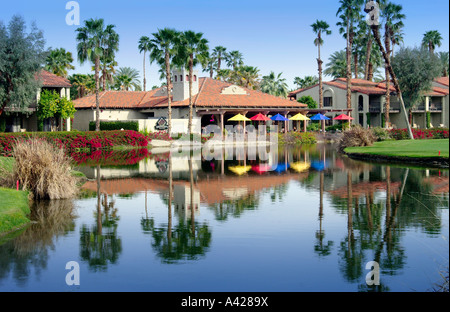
(305, 219)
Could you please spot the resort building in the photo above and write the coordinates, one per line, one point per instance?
(20, 121)
(368, 103)
(214, 102)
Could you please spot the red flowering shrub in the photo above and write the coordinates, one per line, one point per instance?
(110, 157)
(71, 141)
(402, 134)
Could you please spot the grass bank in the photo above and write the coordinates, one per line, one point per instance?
(14, 208)
(432, 152)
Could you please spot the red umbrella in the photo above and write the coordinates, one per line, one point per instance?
(343, 117)
(260, 117)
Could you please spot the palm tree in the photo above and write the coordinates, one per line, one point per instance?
(127, 78)
(348, 12)
(431, 39)
(393, 24)
(162, 47)
(110, 46)
(376, 35)
(209, 64)
(306, 82)
(90, 47)
(193, 49)
(81, 84)
(219, 53)
(319, 28)
(275, 85)
(144, 46)
(234, 59)
(337, 65)
(247, 76)
(59, 61)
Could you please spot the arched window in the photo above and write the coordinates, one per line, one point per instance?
(360, 103)
(176, 78)
(195, 77)
(187, 77)
(181, 77)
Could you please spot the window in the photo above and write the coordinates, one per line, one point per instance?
(327, 101)
(360, 103)
(176, 78)
(181, 77)
(195, 77)
(187, 78)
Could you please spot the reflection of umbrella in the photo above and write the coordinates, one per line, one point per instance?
(319, 116)
(278, 117)
(240, 170)
(261, 168)
(318, 165)
(300, 166)
(260, 117)
(239, 117)
(281, 167)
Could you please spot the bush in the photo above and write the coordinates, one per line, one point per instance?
(115, 125)
(313, 126)
(43, 169)
(291, 138)
(418, 134)
(381, 133)
(77, 140)
(356, 136)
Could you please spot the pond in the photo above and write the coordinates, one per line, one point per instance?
(296, 219)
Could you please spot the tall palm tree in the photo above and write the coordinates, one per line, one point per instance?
(144, 46)
(209, 64)
(162, 50)
(337, 65)
(444, 59)
(376, 35)
(348, 12)
(431, 39)
(59, 61)
(393, 24)
(306, 82)
(319, 28)
(219, 52)
(193, 49)
(275, 85)
(90, 47)
(110, 47)
(234, 59)
(81, 84)
(247, 76)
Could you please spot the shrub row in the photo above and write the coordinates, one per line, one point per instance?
(76, 140)
(297, 138)
(115, 125)
(402, 134)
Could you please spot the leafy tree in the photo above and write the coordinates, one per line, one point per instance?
(22, 55)
(59, 61)
(308, 100)
(52, 106)
(416, 69)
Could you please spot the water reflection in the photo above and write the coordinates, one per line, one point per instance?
(381, 206)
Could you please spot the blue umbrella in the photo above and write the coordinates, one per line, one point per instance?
(281, 167)
(278, 117)
(318, 165)
(319, 116)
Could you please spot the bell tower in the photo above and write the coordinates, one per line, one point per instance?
(180, 82)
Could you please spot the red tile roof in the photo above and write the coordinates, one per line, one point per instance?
(209, 95)
(51, 80)
(443, 81)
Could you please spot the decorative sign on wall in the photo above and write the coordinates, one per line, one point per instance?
(162, 124)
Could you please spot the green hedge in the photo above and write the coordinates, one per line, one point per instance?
(115, 125)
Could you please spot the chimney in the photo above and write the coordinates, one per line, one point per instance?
(180, 82)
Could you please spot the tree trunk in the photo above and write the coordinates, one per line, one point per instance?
(191, 70)
(368, 52)
(145, 80)
(169, 100)
(376, 35)
(355, 59)
(97, 97)
(211, 71)
(349, 67)
(319, 63)
(387, 105)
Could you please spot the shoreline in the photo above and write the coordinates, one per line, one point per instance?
(432, 162)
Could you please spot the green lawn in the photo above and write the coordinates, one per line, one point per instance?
(14, 208)
(405, 148)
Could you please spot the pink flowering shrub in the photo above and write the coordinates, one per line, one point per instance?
(418, 134)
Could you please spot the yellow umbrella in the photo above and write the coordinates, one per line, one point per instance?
(300, 167)
(239, 117)
(301, 117)
(240, 170)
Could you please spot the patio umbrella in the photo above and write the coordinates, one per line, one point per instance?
(343, 117)
(260, 117)
(239, 117)
(319, 116)
(319, 165)
(261, 168)
(300, 117)
(278, 117)
(282, 167)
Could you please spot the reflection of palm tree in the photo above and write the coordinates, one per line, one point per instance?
(319, 248)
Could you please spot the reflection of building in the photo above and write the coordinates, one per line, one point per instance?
(182, 200)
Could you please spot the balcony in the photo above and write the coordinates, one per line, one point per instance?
(419, 108)
(436, 107)
(375, 108)
(394, 108)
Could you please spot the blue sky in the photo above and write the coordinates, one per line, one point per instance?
(271, 35)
